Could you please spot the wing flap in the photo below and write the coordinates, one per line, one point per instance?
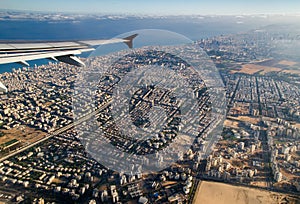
(37, 55)
(2, 87)
(71, 59)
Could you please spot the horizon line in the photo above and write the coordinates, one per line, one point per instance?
(151, 14)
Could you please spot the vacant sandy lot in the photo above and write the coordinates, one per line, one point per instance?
(248, 119)
(220, 193)
(23, 133)
(253, 68)
(292, 71)
(288, 63)
(232, 124)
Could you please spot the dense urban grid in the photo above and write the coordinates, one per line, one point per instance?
(258, 147)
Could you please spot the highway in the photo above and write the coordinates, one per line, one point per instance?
(57, 132)
(193, 191)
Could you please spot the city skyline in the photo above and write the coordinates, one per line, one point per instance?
(178, 7)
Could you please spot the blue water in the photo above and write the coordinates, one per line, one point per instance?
(194, 29)
(95, 29)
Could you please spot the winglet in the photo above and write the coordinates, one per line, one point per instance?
(129, 40)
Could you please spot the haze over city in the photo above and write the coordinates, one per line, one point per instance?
(157, 7)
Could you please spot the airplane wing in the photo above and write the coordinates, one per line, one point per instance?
(2, 87)
(21, 52)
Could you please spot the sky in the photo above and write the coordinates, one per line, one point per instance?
(158, 7)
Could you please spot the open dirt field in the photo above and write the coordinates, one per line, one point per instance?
(270, 66)
(259, 183)
(24, 134)
(292, 71)
(288, 63)
(251, 120)
(213, 192)
(253, 68)
(232, 124)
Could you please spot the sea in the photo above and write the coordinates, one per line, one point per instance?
(192, 27)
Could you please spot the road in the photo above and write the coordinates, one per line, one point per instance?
(193, 193)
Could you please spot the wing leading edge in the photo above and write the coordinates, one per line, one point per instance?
(21, 52)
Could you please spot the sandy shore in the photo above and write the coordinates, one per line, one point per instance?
(220, 193)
